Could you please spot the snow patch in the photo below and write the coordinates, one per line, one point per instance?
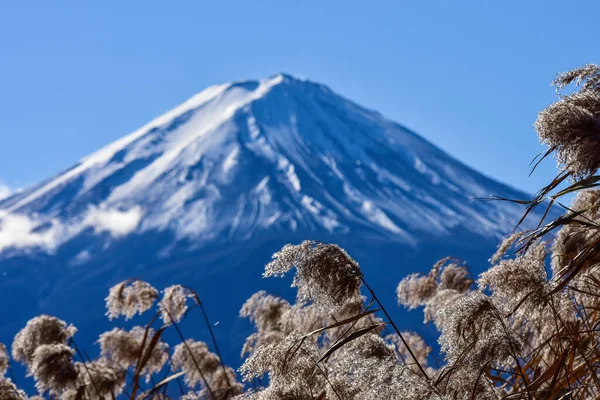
(376, 215)
(252, 127)
(425, 170)
(5, 191)
(293, 178)
(231, 160)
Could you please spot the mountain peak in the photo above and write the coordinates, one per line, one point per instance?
(287, 77)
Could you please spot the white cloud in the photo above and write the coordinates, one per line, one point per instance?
(22, 231)
(117, 223)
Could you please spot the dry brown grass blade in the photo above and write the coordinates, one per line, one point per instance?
(136, 377)
(210, 331)
(546, 154)
(353, 336)
(148, 352)
(570, 218)
(586, 183)
(80, 393)
(162, 383)
(342, 322)
(577, 264)
(391, 321)
(550, 372)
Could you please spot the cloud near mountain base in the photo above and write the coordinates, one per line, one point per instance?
(21, 231)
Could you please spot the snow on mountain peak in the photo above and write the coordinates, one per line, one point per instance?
(276, 154)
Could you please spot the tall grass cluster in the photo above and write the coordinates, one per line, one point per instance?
(526, 328)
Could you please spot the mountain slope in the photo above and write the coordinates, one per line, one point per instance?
(206, 192)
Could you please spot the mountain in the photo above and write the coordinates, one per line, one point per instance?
(205, 193)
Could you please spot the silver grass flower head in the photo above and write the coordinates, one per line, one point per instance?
(519, 284)
(38, 331)
(505, 246)
(370, 345)
(8, 391)
(416, 344)
(191, 396)
(585, 288)
(443, 299)
(290, 364)
(126, 347)
(414, 290)
(53, 368)
(353, 307)
(201, 366)
(465, 382)
(256, 339)
(302, 318)
(69, 394)
(588, 77)
(194, 360)
(473, 333)
(101, 379)
(264, 310)
(367, 368)
(173, 304)
(4, 360)
(572, 239)
(325, 273)
(446, 278)
(223, 385)
(455, 277)
(130, 297)
(572, 125)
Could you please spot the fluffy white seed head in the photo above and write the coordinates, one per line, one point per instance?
(173, 304)
(40, 331)
(130, 297)
(317, 266)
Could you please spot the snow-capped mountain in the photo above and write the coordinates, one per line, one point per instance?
(240, 158)
(206, 192)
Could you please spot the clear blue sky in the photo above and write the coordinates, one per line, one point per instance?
(468, 75)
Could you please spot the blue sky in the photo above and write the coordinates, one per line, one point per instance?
(468, 75)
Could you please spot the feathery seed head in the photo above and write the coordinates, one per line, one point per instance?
(520, 284)
(572, 125)
(38, 331)
(190, 358)
(325, 273)
(473, 332)
(125, 349)
(571, 239)
(53, 368)
(173, 305)
(264, 310)
(130, 297)
(4, 360)
(101, 379)
(8, 391)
